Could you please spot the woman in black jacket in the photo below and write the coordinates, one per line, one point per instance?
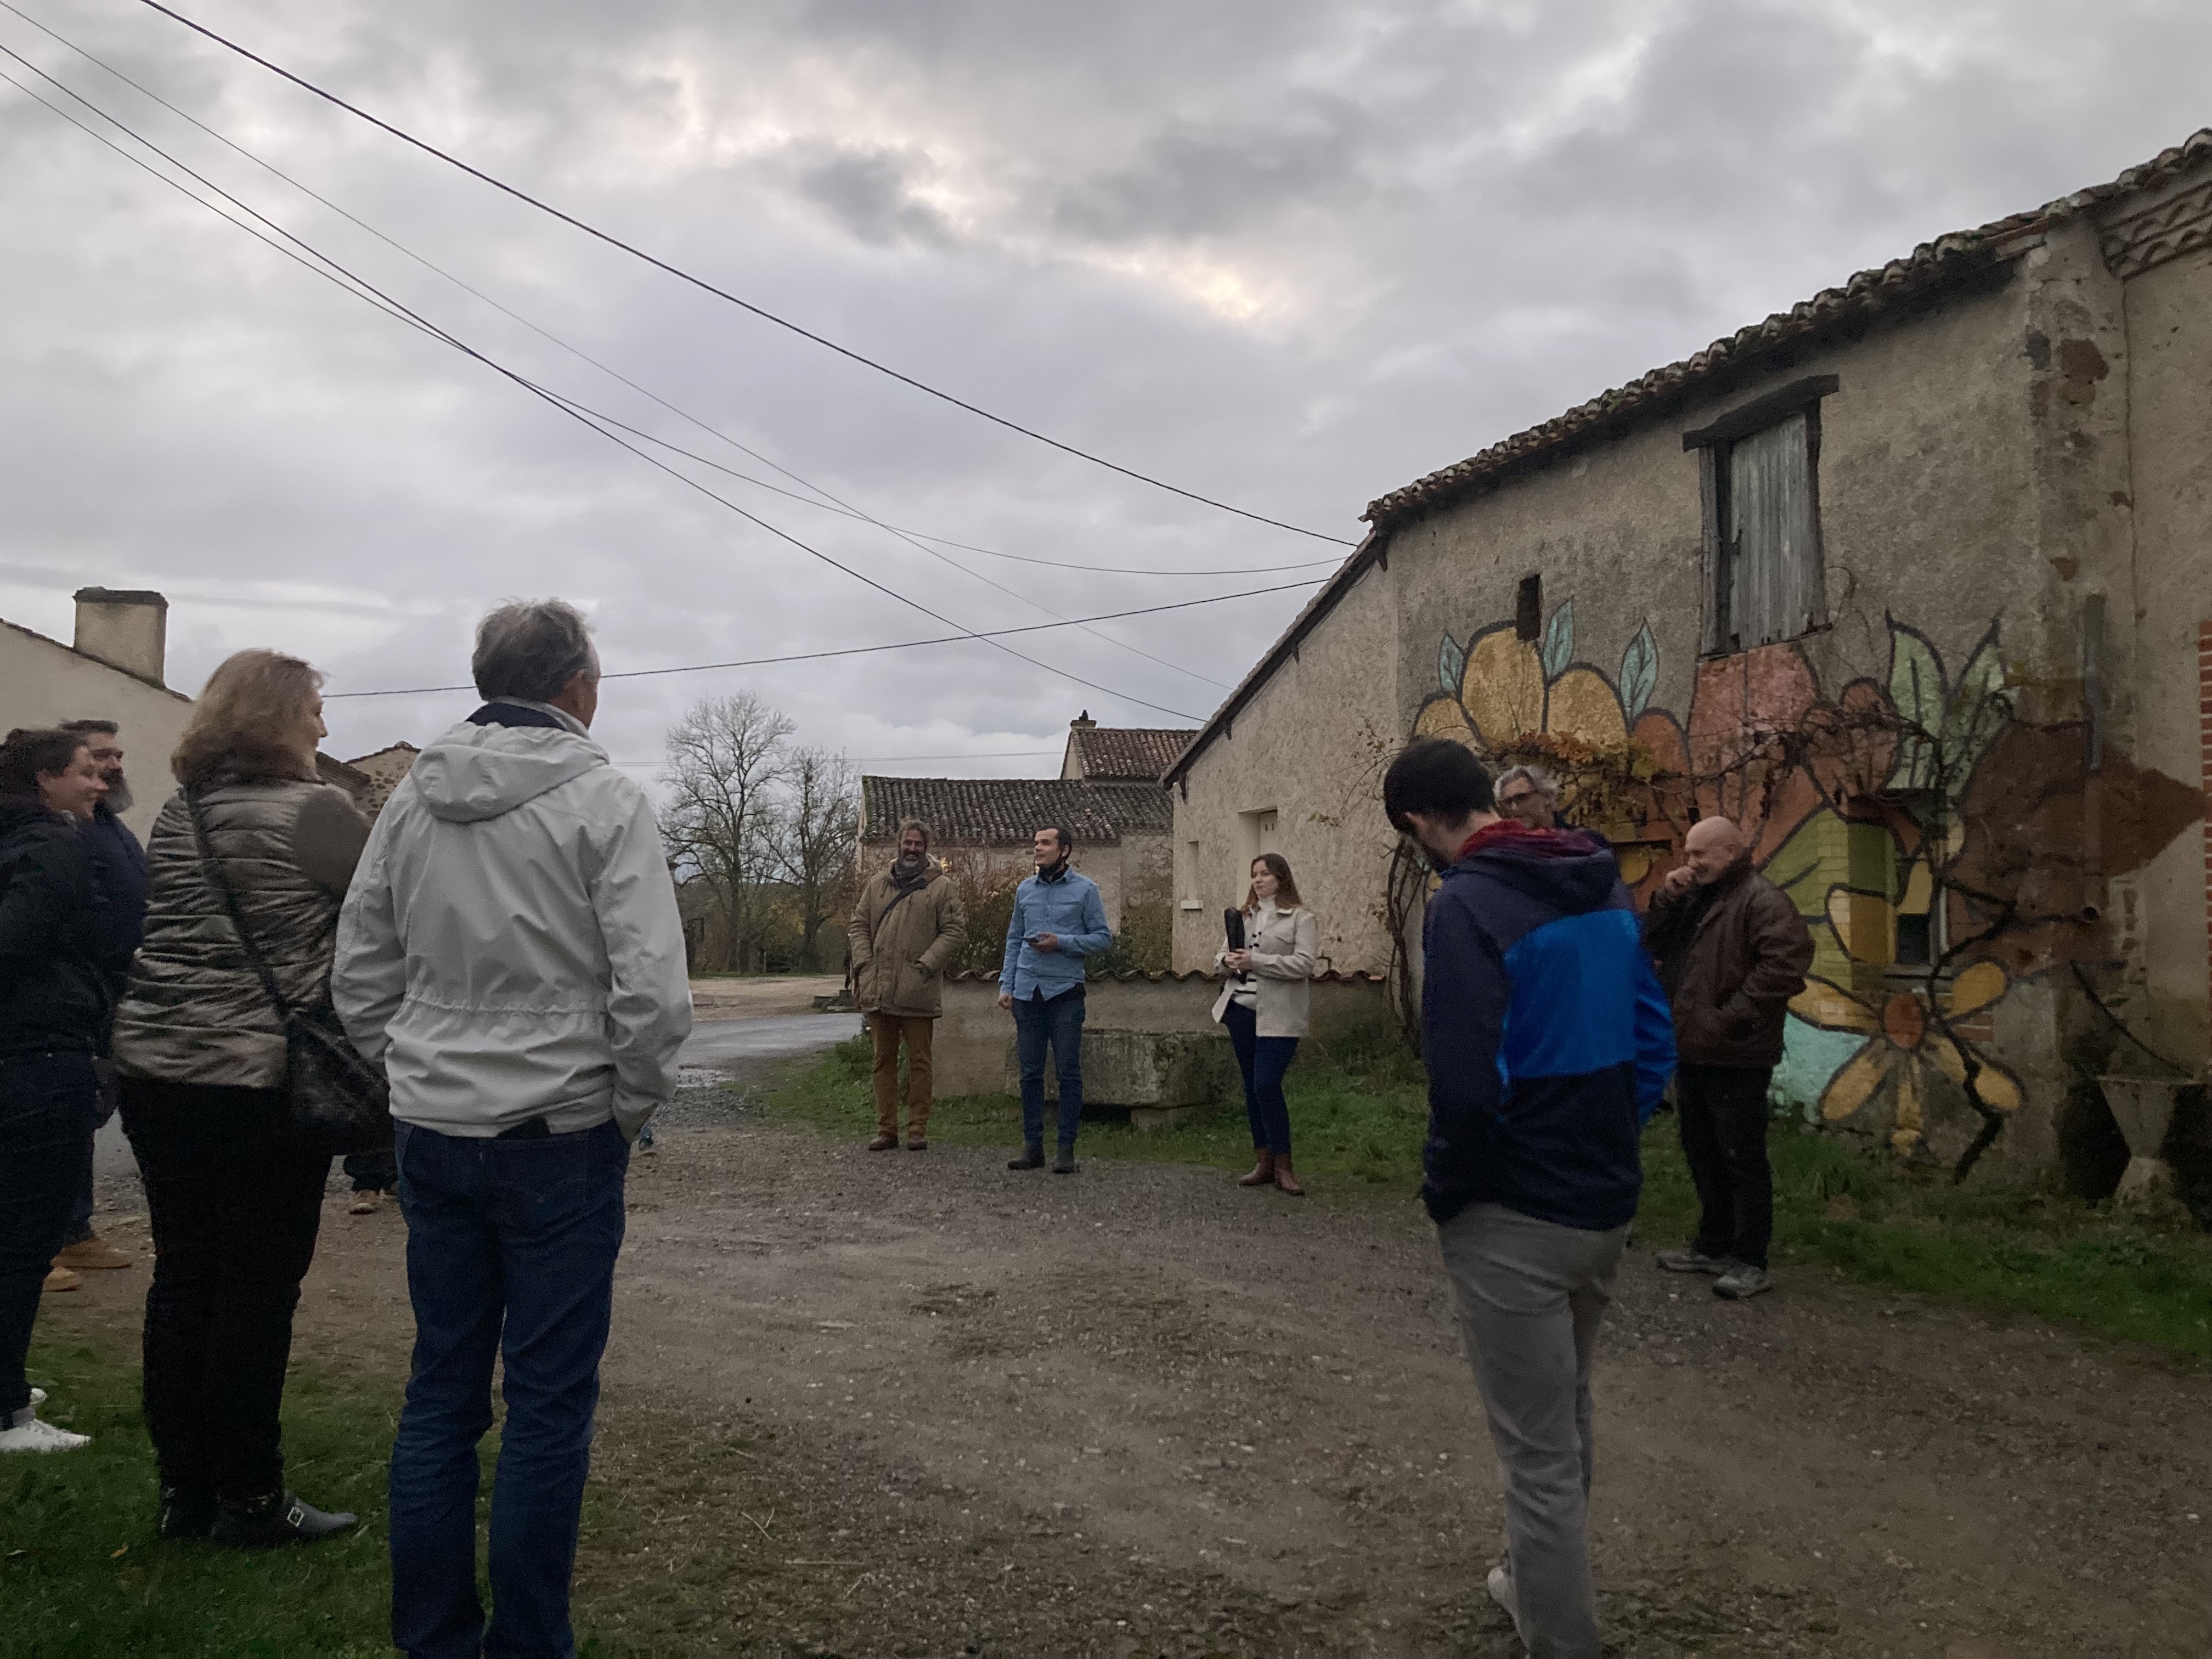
(53, 1009)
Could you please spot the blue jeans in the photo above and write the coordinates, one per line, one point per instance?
(46, 1105)
(1263, 1061)
(511, 1247)
(1058, 1021)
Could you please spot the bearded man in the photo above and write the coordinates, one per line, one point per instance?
(905, 931)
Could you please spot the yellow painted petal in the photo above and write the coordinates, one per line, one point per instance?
(1504, 687)
(1440, 717)
(1831, 1009)
(1855, 1083)
(1583, 706)
(1865, 924)
(1906, 1135)
(1919, 889)
(1996, 1087)
(1976, 988)
(1636, 860)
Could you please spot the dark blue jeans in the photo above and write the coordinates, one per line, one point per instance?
(511, 1247)
(1263, 1061)
(46, 1105)
(1058, 1021)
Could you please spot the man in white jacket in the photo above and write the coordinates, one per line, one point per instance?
(510, 950)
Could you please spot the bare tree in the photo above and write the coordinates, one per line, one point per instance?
(817, 826)
(727, 760)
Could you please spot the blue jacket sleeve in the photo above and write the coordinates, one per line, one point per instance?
(1098, 932)
(1463, 1003)
(1013, 951)
(1655, 1041)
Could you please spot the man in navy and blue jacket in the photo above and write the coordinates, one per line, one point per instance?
(1547, 1041)
(1058, 919)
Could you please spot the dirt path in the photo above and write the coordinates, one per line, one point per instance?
(914, 1404)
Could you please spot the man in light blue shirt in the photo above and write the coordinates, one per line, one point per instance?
(1058, 918)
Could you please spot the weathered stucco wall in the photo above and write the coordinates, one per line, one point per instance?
(2169, 605)
(1308, 750)
(43, 682)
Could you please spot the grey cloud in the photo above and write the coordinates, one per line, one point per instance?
(865, 191)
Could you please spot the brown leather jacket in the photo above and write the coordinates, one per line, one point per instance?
(1730, 957)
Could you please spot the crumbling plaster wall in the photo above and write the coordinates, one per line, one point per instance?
(1309, 747)
(2168, 601)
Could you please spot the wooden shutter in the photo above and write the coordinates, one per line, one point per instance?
(1775, 587)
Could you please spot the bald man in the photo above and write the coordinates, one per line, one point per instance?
(1731, 950)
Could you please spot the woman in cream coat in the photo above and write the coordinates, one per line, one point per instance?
(1265, 1007)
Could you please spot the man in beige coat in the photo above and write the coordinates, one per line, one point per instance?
(906, 929)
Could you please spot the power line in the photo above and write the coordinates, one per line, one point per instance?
(988, 634)
(704, 286)
(365, 291)
(827, 502)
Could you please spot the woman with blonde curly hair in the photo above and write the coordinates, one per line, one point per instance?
(200, 1050)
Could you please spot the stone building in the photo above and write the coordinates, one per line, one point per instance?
(1915, 579)
(382, 772)
(113, 671)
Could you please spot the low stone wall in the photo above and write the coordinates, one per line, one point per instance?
(1149, 1041)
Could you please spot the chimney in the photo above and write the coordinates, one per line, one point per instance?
(127, 629)
(1083, 722)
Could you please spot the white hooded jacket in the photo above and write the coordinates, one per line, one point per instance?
(510, 946)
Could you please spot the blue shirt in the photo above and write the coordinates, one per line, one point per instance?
(1069, 907)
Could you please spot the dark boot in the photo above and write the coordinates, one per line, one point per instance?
(1032, 1157)
(1064, 1162)
(1263, 1172)
(184, 1514)
(1285, 1181)
(276, 1518)
(886, 1141)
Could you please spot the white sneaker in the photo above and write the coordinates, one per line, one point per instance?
(27, 1434)
(38, 1397)
(1501, 1591)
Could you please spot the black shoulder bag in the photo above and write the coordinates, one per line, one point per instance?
(335, 1102)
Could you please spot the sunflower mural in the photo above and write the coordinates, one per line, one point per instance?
(1515, 701)
(1876, 809)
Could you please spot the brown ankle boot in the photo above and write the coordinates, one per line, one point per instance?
(1263, 1172)
(1285, 1181)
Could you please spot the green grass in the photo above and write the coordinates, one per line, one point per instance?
(83, 1576)
(1358, 1113)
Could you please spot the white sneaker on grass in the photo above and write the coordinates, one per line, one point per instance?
(26, 1433)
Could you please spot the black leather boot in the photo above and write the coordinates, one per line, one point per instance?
(1032, 1157)
(276, 1518)
(184, 1514)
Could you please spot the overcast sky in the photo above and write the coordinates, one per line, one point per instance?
(1291, 255)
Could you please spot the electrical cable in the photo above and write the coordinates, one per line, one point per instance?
(987, 635)
(820, 498)
(362, 289)
(704, 286)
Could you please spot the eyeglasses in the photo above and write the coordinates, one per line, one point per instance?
(1515, 800)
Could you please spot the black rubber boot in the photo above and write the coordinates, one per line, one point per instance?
(276, 1518)
(1032, 1157)
(1065, 1163)
(184, 1514)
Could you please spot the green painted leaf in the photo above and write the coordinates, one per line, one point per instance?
(1639, 673)
(1560, 642)
(1978, 716)
(1917, 691)
(1451, 663)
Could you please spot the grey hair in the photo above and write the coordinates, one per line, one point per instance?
(906, 825)
(531, 649)
(1536, 777)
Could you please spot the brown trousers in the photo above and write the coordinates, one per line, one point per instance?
(887, 1030)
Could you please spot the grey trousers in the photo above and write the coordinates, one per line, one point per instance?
(1530, 1295)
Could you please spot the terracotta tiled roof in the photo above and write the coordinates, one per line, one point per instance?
(1932, 264)
(1008, 811)
(1129, 753)
(1709, 374)
(384, 770)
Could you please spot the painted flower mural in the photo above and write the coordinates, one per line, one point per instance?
(1919, 827)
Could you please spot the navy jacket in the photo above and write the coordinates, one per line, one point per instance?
(1547, 1036)
(122, 863)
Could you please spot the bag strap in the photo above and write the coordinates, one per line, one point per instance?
(220, 880)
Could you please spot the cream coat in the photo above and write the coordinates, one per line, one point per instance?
(510, 948)
(901, 946)
(1286, 949)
